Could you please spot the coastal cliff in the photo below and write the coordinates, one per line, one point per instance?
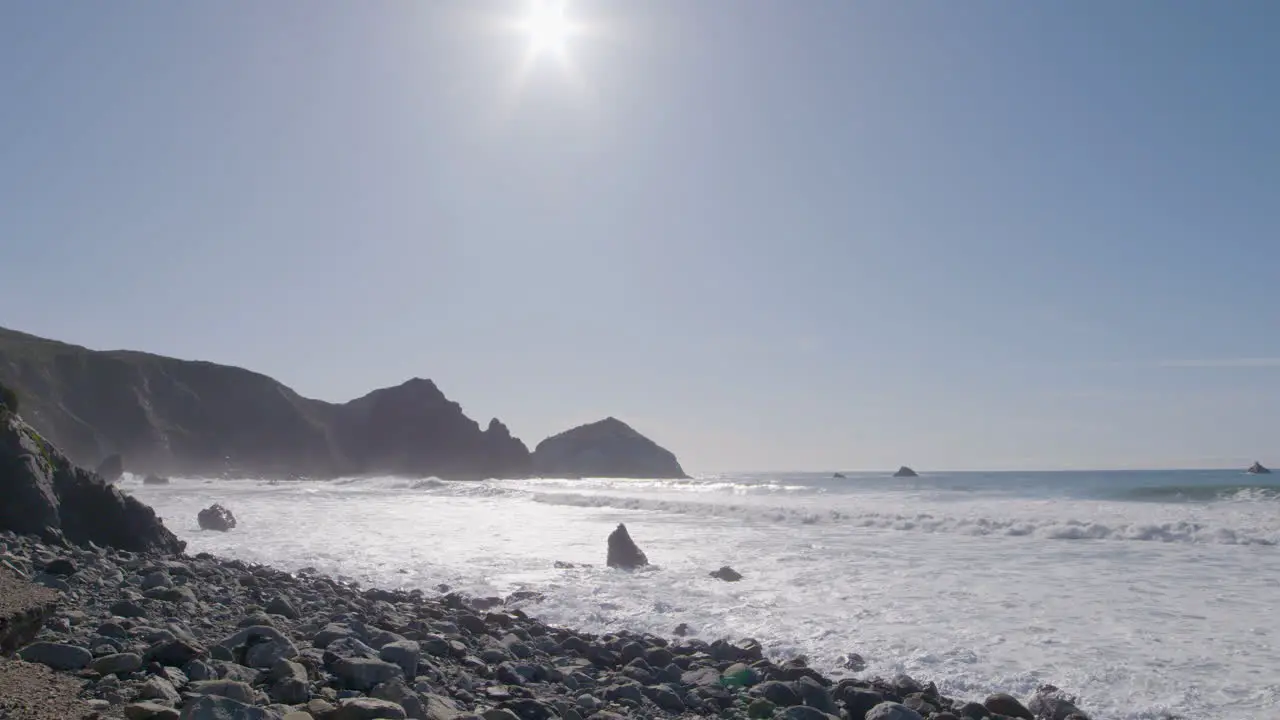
(180, 417)
(152, 414)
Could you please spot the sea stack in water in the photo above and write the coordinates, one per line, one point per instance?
(905, 471)
(216, 517)
(1258, 469)
(623, 552)
(609, 448)
(155, 480)
(43, 493)
(837, 476)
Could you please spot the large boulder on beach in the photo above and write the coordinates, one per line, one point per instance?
(608, 448)
(216, 517)
(623, 551)
(892, 711)
(1008, 705)
(45, 494)
(111, 468)
(905, 472)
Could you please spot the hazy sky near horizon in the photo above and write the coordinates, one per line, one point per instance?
(768, 235)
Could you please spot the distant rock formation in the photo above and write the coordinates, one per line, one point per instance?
(726, 574)
(623, 551)
(905, 471)
(177, 417)
(608, 448)
(111, 468)
(216, 517)
(45, 494)
(1258, 469)
(413, 429)
(155, 480)
(837, 476)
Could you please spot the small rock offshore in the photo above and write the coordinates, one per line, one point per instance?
(154, 636)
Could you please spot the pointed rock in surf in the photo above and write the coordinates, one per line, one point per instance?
(905, 471)
(623, 552)
(837, 476)
(1258, 469)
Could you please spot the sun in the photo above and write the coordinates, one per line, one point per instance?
(548, 26)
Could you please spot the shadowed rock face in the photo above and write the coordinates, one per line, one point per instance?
(413, 429)
(1258, 469)
(45, 494)
(111, 468)
(623, 551)
(608, 448)
(905, 471)
(177, 417)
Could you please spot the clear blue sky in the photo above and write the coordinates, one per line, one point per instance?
(769, 235)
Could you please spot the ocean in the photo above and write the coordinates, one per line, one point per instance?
(1148, 594)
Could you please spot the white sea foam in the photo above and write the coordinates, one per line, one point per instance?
(975, 584)
(1048, 528)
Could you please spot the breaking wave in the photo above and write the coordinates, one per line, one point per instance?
(1180, 531)
(1206, 493)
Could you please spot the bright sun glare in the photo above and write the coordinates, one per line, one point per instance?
(548, 26)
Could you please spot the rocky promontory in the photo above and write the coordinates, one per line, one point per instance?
(170, 417)
(42, 493)
(167, 417)
(608, 448)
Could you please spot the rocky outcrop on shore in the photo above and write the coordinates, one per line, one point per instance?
(608, 448)
(178, 417)
(43, 493)
(155, 636)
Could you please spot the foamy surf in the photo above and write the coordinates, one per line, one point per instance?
(980, 583)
